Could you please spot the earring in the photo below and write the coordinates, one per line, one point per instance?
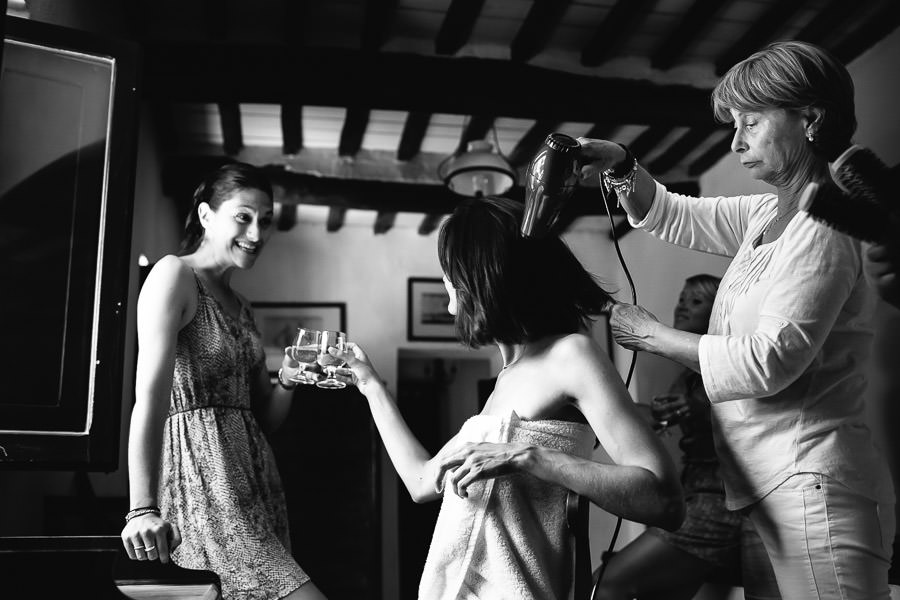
(811, 136)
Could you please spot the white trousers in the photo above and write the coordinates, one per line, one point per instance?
(825, 540)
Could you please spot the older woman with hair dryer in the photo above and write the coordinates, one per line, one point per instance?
(783, 360)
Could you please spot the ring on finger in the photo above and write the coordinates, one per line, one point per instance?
(149, 548)
(138, 548)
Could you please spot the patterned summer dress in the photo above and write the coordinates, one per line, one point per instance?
(219, 483)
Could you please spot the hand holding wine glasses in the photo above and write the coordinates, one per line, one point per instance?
(304, 350)
(329, 362)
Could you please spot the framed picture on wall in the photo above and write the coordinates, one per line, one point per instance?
(278, 322)
(427, 319)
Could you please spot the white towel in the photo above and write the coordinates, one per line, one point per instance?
(508, 539)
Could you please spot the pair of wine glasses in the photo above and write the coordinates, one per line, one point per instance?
(317, 366)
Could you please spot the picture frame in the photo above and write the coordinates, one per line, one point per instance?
(427, 319)
(278, 322)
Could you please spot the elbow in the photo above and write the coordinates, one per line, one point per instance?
(670, 509)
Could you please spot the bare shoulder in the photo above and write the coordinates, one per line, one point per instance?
(170, 283)
(576, 348)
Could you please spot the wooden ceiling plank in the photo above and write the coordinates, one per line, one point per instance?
(181, 174)
(215, 13)
(291, 128)
(336, 215)
(377, 22)
(679, 149)
(710, 157)
(829, 21)
(197, 72)
(353, 131)
(531, 142)
(601, 131)
(429, 223)
(230, 119)
(698, 18)
(884, 20)
(620, 23)
(384, 221)
(457, 25)
(295, 15)
(287, 216)
(414, 130)
(476, 128)
(532, 37)
(648, 139)
(763, 30)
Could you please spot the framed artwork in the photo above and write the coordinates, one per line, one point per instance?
(427, 318)
(278, 322)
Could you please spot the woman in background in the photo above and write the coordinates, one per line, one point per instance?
(204, 486)
(673, 565)
(504, 478)
(783, 361)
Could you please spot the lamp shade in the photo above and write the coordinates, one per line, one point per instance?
(479, 171)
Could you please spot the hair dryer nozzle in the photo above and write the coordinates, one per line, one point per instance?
(550, 180)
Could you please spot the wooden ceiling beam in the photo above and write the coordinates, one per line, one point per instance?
(644, 143)
(620, 23)
(353, 131)
(230, 120)
(414, 130)
(601, 131)
(336, 215)
(457, 25)
(710, 157)
(828, 21)
(215, 16)
(532, 37)
(379, 16)
(883, 20)
(384, 221)
(291, 128)
(197, 72)
(429, 223)
(679, 148)
(695, 21)
(529, 144)
(286, 216)
(476, 128)
(763, 30)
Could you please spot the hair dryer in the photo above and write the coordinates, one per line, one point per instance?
(550, 180)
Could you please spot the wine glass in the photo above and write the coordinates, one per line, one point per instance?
(304, 351)
(331, 339)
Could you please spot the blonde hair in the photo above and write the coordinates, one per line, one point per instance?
(793, 75)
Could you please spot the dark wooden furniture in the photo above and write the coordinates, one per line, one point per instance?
(328, 456)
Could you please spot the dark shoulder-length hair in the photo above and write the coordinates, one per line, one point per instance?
(217, 187)
(793, 75)
(511, 289)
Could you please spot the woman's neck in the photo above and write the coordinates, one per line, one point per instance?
(511, 353)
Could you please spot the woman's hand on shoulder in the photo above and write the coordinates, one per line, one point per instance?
(150, 537)
(633, 326)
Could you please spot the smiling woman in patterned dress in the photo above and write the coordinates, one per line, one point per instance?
(204, 487)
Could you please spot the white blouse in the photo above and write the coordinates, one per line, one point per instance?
(783, 361)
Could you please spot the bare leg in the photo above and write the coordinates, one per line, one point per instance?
(307, 591)
(649, 568)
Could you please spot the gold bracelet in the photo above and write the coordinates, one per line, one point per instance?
(281, 382)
